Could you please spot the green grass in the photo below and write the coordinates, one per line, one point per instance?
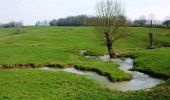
(34, 84)
(138, 38)
(160, 92)
(62, 45)
(55, 45)
(155, 62)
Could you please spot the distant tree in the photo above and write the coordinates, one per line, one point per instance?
(80, 20)
(151, 18)
(109, 21)
(38, 23)
(53, 22)
(61, 22)
(129, 22)
(141, 21)
(45, 22)
(137, 22)
(167, 23)
(11, 24)
(42, 23)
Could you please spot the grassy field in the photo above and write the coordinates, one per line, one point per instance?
(158, 63)
(34, 84)
(62, 45)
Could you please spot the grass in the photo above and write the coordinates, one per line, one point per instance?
(160, 92)
(34, 84)
(155, 62)
(37, 46)
(62, 45)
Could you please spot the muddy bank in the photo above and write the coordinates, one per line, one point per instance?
(31, 65)
(77, 67)
(152, 73)
(106, 74)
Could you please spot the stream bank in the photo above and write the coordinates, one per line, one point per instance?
(138, 82)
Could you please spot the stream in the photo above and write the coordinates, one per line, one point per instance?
(139, 81)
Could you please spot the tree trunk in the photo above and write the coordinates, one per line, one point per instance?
(150, 40)
(109, 46)
(151, 23)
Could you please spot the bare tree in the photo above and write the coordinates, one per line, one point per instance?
(109, 21)
(142, 20)
(151, 19)
(38, 23)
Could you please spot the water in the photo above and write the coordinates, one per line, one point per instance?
(140, 80)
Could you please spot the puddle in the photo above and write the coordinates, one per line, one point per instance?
(140, 80)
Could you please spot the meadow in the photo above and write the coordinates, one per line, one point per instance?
(40, 46)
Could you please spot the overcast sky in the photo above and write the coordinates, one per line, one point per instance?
(29, 11)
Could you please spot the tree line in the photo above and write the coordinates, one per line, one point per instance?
(85, 20)
(80, 20)
(150, 22)
(11, 24)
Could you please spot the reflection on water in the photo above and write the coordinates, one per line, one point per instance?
(139, 81)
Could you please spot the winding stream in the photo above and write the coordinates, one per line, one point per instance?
(140, 80)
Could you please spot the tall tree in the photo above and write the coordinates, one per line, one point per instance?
(109, 21)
